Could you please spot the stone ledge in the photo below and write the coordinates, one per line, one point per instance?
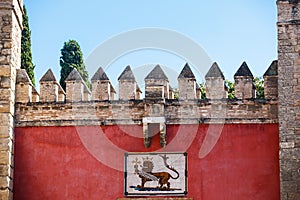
(288, 22)
(85, 122)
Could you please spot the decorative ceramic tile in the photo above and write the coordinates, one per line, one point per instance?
(155, 174)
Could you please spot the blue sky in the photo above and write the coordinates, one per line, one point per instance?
(230, 31)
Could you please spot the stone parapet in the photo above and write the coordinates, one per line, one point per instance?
(243, 83)
(215, 86)
(156, 86)
(187, 87)
(133, 112)
(271, 81)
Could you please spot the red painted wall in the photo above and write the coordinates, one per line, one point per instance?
(53, 163)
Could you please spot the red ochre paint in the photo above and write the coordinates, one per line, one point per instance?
(52, 163)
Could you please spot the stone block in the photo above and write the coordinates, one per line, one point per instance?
(6, 95)
(6, 108)
(48, 92)
(154, 92)
(23, 92)
(5, 70)
(287, 145)
(5, 158)
(6, 170)
(289, 154)
(5, 182)
(290, 190)
(127, 90)
(6, 119)
(286, 49)
(6, 144)
(6, 194)
(74, 91)
(6, 131)
(287, 174)
(6, 82)
(8, 44)
(215, 88)
(4, 60)
(187, 89)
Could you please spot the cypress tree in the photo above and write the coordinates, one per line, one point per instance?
(71, 57)
(26, 55)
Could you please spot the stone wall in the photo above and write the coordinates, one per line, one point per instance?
(10, 61)
(101, 87)
(133, 112)
(289, 97)
(49, 92)
(127, 89)
(187, 89)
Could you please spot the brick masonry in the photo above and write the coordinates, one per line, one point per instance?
(133, 112)
(289, 95)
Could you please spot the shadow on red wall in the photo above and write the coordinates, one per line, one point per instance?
(52, 162)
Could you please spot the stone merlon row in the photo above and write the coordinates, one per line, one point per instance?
(156, 85)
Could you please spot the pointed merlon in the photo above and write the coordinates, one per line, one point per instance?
(186, 72)
(127, 74)
(157, 73)
(214, 72)
(74, 76)
(243, 70)
(100, 75)
(22, 76)
(48, 77)
(273, 69)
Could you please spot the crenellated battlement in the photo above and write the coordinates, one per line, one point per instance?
(156, 86)
(79, 106)
(75, 107)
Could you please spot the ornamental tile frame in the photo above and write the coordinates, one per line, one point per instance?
(148, 174)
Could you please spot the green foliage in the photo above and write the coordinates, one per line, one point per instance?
(203, 90)
(230, 87)
(71, 57)
(259, 84)
(26, 55)
(176, 95)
